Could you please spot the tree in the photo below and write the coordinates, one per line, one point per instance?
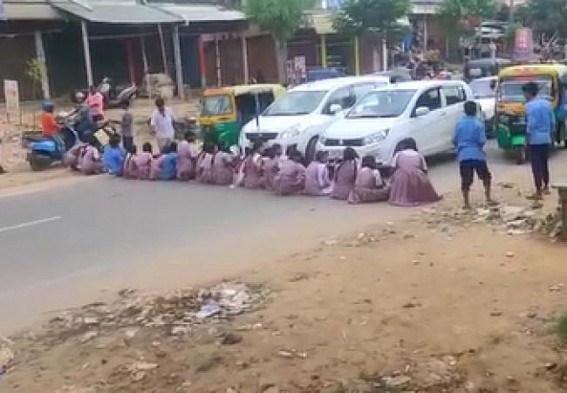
(377, 18)
(282, 18)
(34, 71)
(462, 16)
(546, 17)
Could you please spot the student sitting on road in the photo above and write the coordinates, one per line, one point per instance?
(223, 167)
(252, 167)
(410, 184)
(317, 182)
(369, 186)
(187, 153)
(469, 140)
(143, 161)
(113, 157)
(130, 170)
(90, 163)
(205, 163)
(272, 165)
(169, 167)
(345, 175)
(291, 176)
(72, 156)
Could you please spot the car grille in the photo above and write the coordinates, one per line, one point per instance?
(344, 142)
(261, 136)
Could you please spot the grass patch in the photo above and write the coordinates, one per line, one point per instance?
(561, 327)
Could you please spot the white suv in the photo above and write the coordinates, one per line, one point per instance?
(425, 111)
(300, 116)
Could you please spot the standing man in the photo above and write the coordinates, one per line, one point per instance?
(162, 124)
(95, 102)
(540, 123)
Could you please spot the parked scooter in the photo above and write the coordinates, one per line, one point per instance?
(115, 97)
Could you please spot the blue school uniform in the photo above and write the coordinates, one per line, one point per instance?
(169, 168)
(113, 160)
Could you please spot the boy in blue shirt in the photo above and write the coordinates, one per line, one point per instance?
(169, 168)
(469, 140)
(113, 157)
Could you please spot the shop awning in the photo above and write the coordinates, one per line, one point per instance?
(30, 10)
(117, 11)
(201, 12)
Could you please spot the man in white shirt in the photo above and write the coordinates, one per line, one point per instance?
(162, 124)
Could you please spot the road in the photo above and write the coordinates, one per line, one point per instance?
(64, 245)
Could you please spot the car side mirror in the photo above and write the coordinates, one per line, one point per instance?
(335, 108)
(421, 111)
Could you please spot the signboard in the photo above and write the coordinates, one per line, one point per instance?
(12, 96)
(524, 44)
(3, 15)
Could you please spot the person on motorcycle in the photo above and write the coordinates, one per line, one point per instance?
(95, 101)
(49, 126)
(83, 123)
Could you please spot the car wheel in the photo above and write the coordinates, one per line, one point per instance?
(311, 150)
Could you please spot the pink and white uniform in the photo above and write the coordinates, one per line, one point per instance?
(186, 160)
(369, 187)
(345, 177)
(143, 162)
(290, 178)
(90, 162)
(317, 181)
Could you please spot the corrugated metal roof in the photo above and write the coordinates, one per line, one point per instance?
(201, 12)
(30, 10)
(117, 11)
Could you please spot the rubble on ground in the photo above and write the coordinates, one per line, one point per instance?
(175, 312)
(503, 218)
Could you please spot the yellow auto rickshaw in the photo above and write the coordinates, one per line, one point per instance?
(225, 110)
(510, 123)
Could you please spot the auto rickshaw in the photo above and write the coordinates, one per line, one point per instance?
(225, 110)
(481, 68)
(510, 120)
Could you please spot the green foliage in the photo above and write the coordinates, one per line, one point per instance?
(548, 17)
(34, 69)
(561, 327)
(454, 14)
(371, 17)
(280, 17)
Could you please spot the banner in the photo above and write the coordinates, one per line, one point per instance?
(524, 44)
(12, 96)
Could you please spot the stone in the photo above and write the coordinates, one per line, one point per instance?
(180, 330)
(397, 382)
(88, 336)
(495, 313)
(510, 254)
(285, 354)
(90, 321)
(131, 333)
(143, 366)
(6, 357)
(231, 339)
(550, 365)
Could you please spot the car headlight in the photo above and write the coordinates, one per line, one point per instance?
(376, 137)
(291, 132)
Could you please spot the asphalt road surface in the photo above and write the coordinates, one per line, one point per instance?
(63, 245)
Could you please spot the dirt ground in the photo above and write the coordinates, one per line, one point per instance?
(440, 302)
(12, 156)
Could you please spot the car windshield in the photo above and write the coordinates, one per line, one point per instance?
(510, 88)
(382, 103)
(216, 105)
(295, 103)
(482, 88)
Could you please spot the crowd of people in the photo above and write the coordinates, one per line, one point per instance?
(262, 167)
(354, 179)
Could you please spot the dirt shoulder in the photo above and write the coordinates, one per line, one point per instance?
(445, 301)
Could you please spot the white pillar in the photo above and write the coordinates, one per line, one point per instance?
(178, 63)
(384, 55)
(425, 33)
(40, 54)
(244, 45)
(162, 45)
(87, 50)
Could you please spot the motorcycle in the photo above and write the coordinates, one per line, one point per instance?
(42, 151)
(114, 97)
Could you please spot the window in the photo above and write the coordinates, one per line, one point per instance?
(343, 97)
(454, 94)
(382, 103)
(361, 90)
(430, 99)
